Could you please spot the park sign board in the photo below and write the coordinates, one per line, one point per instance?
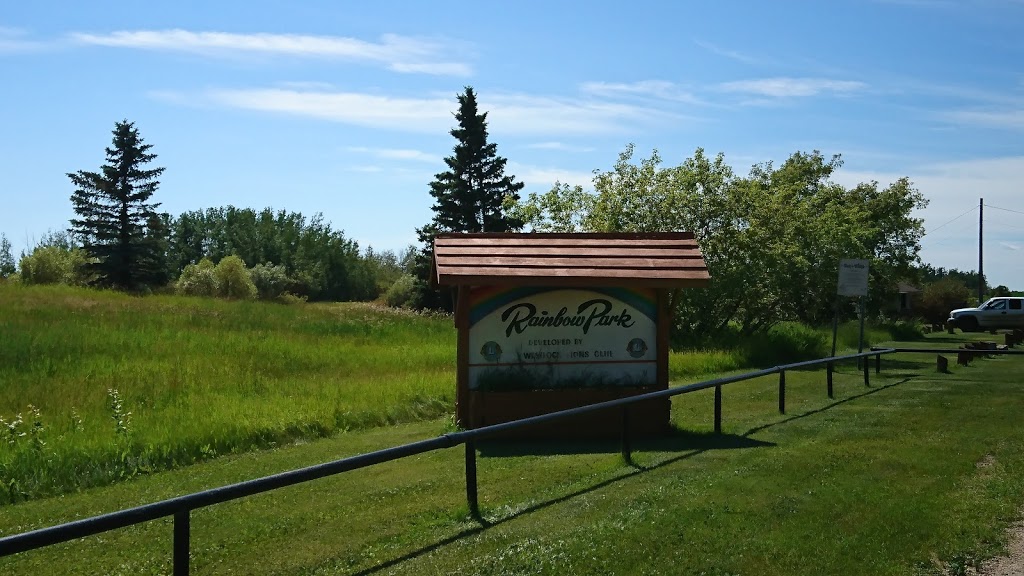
(537, 338)
(853, 277)
(551, 321)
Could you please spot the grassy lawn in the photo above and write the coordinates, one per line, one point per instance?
(920, 470)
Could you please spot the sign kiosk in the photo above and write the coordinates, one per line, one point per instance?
(550, 321)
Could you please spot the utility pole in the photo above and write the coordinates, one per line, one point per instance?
(981, 252)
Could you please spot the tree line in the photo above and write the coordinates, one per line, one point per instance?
(772, 238)
(118, 239)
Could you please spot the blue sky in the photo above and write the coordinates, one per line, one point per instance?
(344, 107)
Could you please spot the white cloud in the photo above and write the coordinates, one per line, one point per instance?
(508, 113)
(415, 114)
(954, 188)
(1008, 119)
(1010, 246)
(524, 114)
(646, 88)
(559, 146)
(397, 154)
(783, 87)
(396, 53)
(544, 178)
(16, 40)
(731, 54)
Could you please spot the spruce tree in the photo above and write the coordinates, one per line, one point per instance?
(117, 224)
(469, 195)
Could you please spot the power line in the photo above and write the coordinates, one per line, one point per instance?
(933, 230)
(1004, 209)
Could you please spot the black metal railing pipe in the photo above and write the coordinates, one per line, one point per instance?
(89, 526)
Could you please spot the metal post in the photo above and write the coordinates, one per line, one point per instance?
(471, 496)
(878, 364)
(181, 545)
(782, 391)
(860, 339)
(626, 452)
(867, 372)
(829, 371)
(718, 409)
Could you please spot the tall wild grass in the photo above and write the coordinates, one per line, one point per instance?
(99, 386)
(96, 386)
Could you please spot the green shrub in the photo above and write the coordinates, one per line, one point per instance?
(198, 280)
(233, 280)
(784, 343)
(50, 264)
(402, 292)
(271, 281)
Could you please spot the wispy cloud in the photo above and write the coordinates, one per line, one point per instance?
(396, 154)
(783, 87)
(413, 114)
(507, 113)
(396, 53)
(544, 178)
(952, 189)
(646, 88)
(1010, 246)
(730, 54)
(17, 40)
(1008, 119)
(559, 146)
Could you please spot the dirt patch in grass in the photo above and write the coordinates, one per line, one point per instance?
(1013, 563)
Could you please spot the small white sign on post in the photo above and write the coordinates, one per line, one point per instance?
(853, 277)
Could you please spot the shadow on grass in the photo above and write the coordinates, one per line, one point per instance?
(692, 443)
(677, 440)
(695, 444)
(825, 408)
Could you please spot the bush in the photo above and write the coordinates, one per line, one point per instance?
(938, 298)
(402, 292)
(786, 342)
(55, 265)
(198, 280)
(233, 280)
(271, 281)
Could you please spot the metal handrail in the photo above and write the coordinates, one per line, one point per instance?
(180, 507)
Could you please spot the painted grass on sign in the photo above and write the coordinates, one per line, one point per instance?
(194, 378)
(917, 475)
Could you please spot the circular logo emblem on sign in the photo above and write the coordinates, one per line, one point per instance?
(491, 351)
(636, 347)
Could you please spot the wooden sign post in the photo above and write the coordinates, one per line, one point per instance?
(554, 321)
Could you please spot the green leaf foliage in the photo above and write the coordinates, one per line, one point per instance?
(318, 262)
(772, 239)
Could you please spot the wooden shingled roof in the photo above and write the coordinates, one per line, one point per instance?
(650, 259)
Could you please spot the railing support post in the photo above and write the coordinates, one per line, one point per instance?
(627, 453)
(782, 391)
(181, 544)
(471, 495)
(867, 372)
(718, 409)
(878, 363)
(829, 372)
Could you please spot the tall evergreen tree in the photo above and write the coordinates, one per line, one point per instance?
(469, 195)
(117, 223)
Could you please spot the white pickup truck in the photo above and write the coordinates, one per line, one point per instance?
(995, 314)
